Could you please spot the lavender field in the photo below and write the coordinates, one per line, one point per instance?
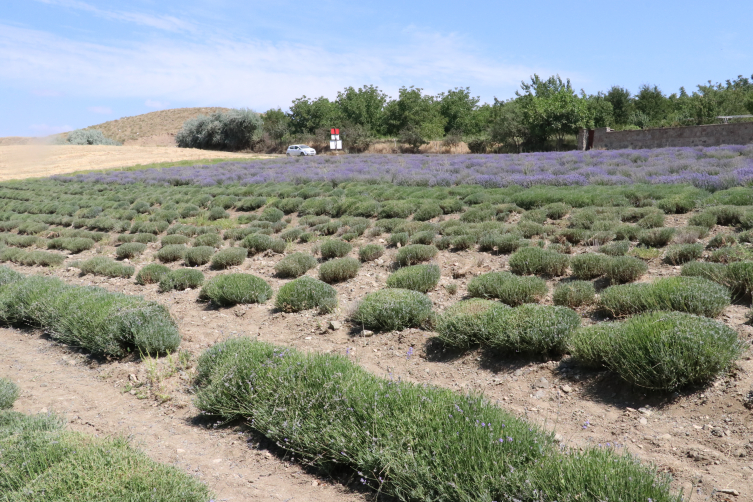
(712, 168)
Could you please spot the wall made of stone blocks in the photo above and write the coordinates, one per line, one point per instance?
(706, 135)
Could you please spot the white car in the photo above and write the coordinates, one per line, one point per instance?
(294, 150)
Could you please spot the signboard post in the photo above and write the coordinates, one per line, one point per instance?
(335, 142)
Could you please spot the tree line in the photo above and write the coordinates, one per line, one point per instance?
(543, 115)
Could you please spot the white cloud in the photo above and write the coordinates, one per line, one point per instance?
(46, 130)
(253, 73)
(157, 105)
(104, 110)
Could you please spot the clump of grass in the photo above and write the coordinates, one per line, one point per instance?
(704, 219)
(694, 295)
(621, 269)
(271, 214)
(197, 256)
(589, 345)
(427, 212)
(539, 329)
(415, 253)
(716, 272)
(101, 265)
(151, 274)
(73, 244)
(229, 257)
(470, 322)
(257, 243)
(393, 309)
(589, 266)
(339, 269)
(740, 277)
(30, 258)
(652, 220)
(213, 240)
(452, 288)
(682, 253)
(172, 239)
(217, 213)
(180, 279)
(295, 265)
(334, 248)
(232, 289)
(619, 248)
(670, 350)
(9, 392)
(129, 250)
(574, 294)
(291, 235)
(8, 275)
(398, 238)
(171, 252)
(726, 215)
(370, 252)
(291, 396)
(417, 278)
(144, 238)
(306, 293)
(508, 288)
(557, 210)
(534, 260)
(656, 237)
(426, 237)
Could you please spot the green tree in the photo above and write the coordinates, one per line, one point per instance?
(552, 109)
(652, 103)
(276, 125)
(307, 116)
(600, 109)
(412, 108)
(363, 106)
(459, 108)
(509, 127)
(622, 104)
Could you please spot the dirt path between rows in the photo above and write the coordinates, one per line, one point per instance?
(53, 378)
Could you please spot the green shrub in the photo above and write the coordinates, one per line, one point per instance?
(396, 209)
(393, 310)
(100, 265)
(286, 394)
(657, 237)
(626, 232)
(529, 229)
(589, 345)
(230, 130)
(574, 294)
(250, 203)
(682, 253)
(8, 275)
(198, 256)
(716, 272)
(574, 235)
(213, 240)
(180, 279)
(338, 270)
(151, 274)
(534, 260)
(670, 350)
(334, 248)
(288, 205)
(415, 253)
(615, 248)
(129, 250)
(144, 238)
(148, 227)
(652, 220)
(726, 215)
(291, 235)
(370, 252)
(257, 243)
(478, 214)
(730, 254)
(739, 277)
(622, 269)
(417, 278)
(231, 289)
(508, 288)
(72, 244)
(306, 293)
(400, 238)
(295, 265)
(271, 214)
(217, 213)
(426, 237)
(229, 257)
(721, 240)
(173, 239)
(589, 266)
(471, 322)
(539, 329)
(30, 258)
(427, 212)
(704, 219)
(557, 210)
(9, 392)
(171, 252)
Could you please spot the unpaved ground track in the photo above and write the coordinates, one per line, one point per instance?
(53, 378)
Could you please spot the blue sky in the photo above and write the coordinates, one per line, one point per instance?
(66, 64)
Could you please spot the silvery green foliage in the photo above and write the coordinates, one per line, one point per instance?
(89, 137)
(8, 393)
(232, 130)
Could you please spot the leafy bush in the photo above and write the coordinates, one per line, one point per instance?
(197, 256)
(721, 240)
(539, 329)
(100, 265)
(730, 254)
(89, 137)
(427, 212)
(339, 269)
(171, 252)
(415, 253)
(370, 252)
(670, 350)
(726, 215)
(229, 257)
(89, 317)
(704, 219)
(256, 243)
(286, 394)
(557, 210)
(694, 295)
(144, 238)
(470, 322)
(271, 214)
(213, 240)
(306, 293)
(231, 130)
(72, 244)
(589, 266)
(651, 220)
(151, 274)
(574, 294)
(740, 277)
(173, 239)
(295, 265)
(180, 279)
(400, 238)
(657, 237)
(8, 393)
(426, 237)
(250, 203)
(622, 269)
(393, 309)
(615, 248)
(682, 253)
(508, 288)
(334, 248)
(534, 260)
(716, 272)
(589, 345)
(417, 278)
(231, 289)
(129, 250)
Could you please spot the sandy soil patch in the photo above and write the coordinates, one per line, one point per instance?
(34, 161)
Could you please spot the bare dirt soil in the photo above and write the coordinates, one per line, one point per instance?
(36, 160)
(701, 436)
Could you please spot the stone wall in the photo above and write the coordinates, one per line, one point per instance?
(706, 135)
